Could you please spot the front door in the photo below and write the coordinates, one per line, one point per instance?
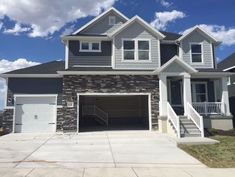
(175, 97)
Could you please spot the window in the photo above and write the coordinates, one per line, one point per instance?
(112, 20)
(199, 92)
(90, 47)
(196, 53)
(136, 50)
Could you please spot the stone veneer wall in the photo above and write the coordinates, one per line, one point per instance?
(74, 84)
(7, 120)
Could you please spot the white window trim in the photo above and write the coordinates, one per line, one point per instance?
(194, 89)
(136, 56)
(89, 46)
(191, 60)
(112, 18)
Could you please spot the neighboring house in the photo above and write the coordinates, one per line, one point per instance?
(228, 65)
(121, 73)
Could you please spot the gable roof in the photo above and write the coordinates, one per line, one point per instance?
(142, 22)
(228, 63)
(201, 31)
(177, 60)
(45, 68)
(112, 9)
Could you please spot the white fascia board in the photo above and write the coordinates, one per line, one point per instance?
(31, 76)
(99, 16)
(107, 73)
(180, 62)
(211, 74)
(227, 69)
(200, 30)
(142, 22)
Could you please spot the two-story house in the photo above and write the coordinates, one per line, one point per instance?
(121, 73)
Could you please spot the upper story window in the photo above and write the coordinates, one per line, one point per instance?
(112, 20)
(90, 46)
(196, 53)
(136, 50)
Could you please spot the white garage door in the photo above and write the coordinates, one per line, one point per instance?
(35, 114)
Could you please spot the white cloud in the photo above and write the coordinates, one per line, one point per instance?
(46, 17)
(16, 30)
(162, 19)
(5, 66)
(67, 31)
(165, 3)
(221, 33)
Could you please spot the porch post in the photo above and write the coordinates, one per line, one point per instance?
(187, 92)
(162, 122)
(225, 98)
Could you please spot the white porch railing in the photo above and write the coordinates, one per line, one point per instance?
(94, 110)
(174, 119)
(207, 108)
(196, 118)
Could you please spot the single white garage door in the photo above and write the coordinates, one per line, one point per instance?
(35, 114)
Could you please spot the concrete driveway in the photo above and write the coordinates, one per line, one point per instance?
(95, 149)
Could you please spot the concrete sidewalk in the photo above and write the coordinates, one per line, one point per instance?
(116, 172)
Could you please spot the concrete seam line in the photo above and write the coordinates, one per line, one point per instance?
(83, 173)
(134, 172)
(34, 151)
(111, 150)
(29, 172)
(187, 173)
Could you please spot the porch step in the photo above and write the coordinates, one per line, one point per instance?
(188, 128)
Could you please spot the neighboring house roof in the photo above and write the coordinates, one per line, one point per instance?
(142, 22)
(112, 9)
(201, 31)
(45, 68)
(228, 63)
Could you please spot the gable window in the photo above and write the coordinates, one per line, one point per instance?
(196, 53)
(90, 46)
(112, 20)
(199, 92)
(136, 50)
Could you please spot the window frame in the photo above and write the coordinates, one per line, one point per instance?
(136, 50)
(191, 53)
(110, 20)
(89, 46)
(195, 94)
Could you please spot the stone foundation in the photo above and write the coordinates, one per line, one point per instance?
(7, 120)
(74, 84)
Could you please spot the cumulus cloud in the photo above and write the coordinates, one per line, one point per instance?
(165, 3)
(16, 30)
(162, 19)
(5, 66)
(67, 31)
(45, 17)
(221, 33)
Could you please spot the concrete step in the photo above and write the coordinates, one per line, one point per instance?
(191, 135)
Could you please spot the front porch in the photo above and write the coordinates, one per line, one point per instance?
(191, 101)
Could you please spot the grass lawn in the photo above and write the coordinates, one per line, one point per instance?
(220, 155)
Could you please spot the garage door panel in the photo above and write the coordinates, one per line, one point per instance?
(35, 115)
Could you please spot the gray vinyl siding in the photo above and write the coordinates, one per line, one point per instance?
(206, 47)
(34, 86)
(136, 31)
(102, 26)
(102, 58)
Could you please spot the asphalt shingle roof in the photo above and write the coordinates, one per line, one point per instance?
(45, 68)
(227, 62)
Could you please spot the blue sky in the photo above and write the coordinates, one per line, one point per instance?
(30, 31)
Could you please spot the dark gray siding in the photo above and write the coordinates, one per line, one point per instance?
(34, 86)
(102, 58)
(167, 52)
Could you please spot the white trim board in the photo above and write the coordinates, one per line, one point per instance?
(117, 94)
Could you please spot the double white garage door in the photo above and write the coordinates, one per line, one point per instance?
(35, 114)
